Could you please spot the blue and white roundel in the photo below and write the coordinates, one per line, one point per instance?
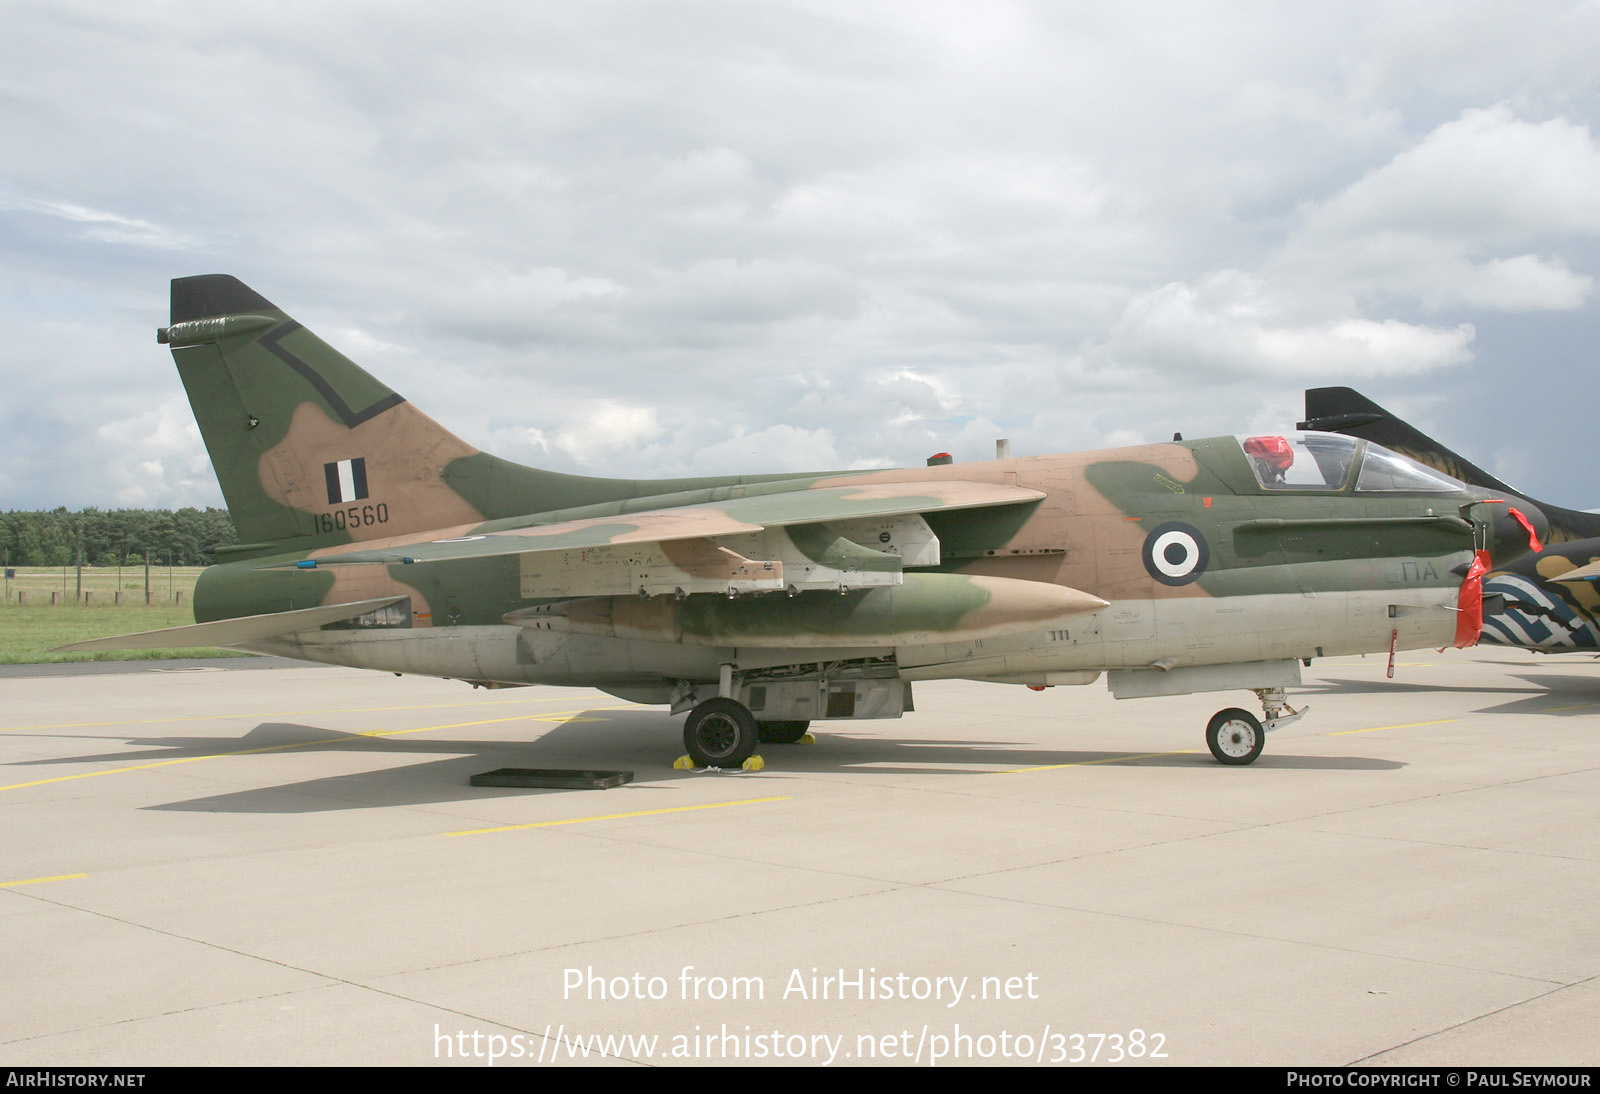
(1175, 553)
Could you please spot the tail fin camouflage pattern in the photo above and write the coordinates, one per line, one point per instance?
(306, 444)
(312, 451)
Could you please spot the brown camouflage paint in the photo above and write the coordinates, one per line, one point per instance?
(405, 451)
(1078, 537)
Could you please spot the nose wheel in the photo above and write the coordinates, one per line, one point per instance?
(1235, 736)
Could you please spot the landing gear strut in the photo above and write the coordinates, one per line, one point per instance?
(1235, 736)
(720, 732)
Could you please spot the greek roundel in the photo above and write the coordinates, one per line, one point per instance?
(1175, 553)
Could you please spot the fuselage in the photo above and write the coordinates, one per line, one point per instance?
(1220, 551)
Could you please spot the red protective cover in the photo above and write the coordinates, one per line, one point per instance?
(1469, 624)
(1533, 537)
(1275, 450)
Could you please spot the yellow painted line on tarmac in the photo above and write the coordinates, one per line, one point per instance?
(620, 816)
(1404, 725)
(371, 733)
(1580, 706)
(281, 714)
(1091, 763)
(40, 880)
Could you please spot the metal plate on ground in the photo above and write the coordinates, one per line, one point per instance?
(552, 778)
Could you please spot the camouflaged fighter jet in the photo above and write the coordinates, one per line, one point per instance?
(374, 538)
(1547, 599)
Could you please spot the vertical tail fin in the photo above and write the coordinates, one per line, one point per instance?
(308, 447)
(312, 451)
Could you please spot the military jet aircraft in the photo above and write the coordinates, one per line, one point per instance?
(757, 604)
(1546, 599)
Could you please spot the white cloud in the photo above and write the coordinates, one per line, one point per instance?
(157, 459)
(1435, 223)
(1232, 323)
(776, 448)
(609, 429)
(643, 239)
(1520, 283)
(1420, 231)
(1487, 174)
(101, 226)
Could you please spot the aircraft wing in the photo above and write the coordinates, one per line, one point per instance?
(233, 632)
(846, 536)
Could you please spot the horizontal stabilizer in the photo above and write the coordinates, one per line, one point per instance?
(234, 632)
(736, 516)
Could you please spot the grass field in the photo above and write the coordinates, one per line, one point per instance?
(31, 626)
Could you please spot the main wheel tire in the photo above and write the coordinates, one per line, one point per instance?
(1235, 737)
(720, 733)
(781, 733)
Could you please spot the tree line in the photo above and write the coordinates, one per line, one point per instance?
(107, 537)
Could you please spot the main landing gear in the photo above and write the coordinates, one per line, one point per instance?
(722, 732)
(1235, 736)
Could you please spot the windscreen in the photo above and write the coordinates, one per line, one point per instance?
(1385, 470)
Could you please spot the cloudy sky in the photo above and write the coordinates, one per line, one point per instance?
(709, 237)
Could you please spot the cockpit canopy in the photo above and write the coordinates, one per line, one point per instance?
(1327, 461)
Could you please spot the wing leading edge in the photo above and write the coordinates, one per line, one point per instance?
(837, 537)
(736, 516)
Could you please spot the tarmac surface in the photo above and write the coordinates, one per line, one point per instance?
(205, 863)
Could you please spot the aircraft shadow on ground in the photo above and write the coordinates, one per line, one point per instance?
(1330, 686)
(1546, 696)
(645, 742)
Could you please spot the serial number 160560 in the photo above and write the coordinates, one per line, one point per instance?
(353, 516)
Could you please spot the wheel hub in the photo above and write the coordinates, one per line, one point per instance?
(717, 734)
(1237, 740)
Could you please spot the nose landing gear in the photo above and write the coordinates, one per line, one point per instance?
(1235, 736)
